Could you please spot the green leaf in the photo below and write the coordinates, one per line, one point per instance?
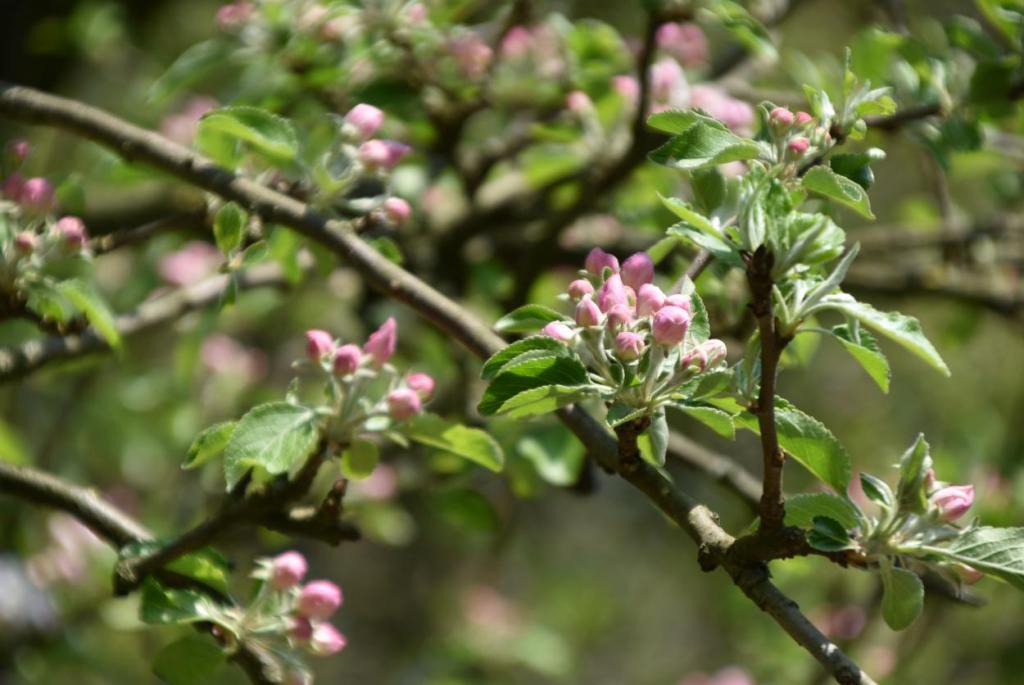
(900, 328)
(689, 216)
(620, 413)
(360, 459)
(537, 343)
(263, 131)
(828, 535)
(722, 249)
(277, 438)
(469, 443)
(717, 420)
(856, 166)
(88, 301)
(808, 441)
(915, 462)
(994, 551)
(537, 372)
(824, 181)
(228, 227)
(555, 453)
(867, 353)
(527, 318)
(160, 605)
(255, 253)
(902, 598)
(192, 660)
(191, 67)
(653, 442)
(209, 444)
(206, 565)
(676, 121)
(704, 144)
(661, 250)
(877, 490)
(802, 509)
(543, 400)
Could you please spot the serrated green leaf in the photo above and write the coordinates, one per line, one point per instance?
(265, 132)
(825, 182)
(206, 565)
(527, 318)
(255, 253)
(877, 490)
(360, 459)
(208, 444)
(536, 372)
(537, 343)
(192, 660)
(276, 438)
(802, 509)
(704, 144)
(915, 462)
(717, 420)
(902, 598)
(994, 551)
(88, 301)
(723, 250)
(828, 535)
(675, 121)
(542, 400)
(620, 413)
(469, 443)
(689, 216)
(228, 227)
(867, 353)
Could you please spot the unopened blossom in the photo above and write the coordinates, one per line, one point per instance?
(233, 16)
(364, 120)
(618, 316)
(326, 640)
(686, 42)
(681, 301)
(736, 114)
(598, 260)
(670, 325)
(13, 185)
(396, 152)
(557, 330)
(627, 87)
(422, 384)
(714, 351)
(397, 210)
(578, 102)
(346, 359)
(404, 403)
(798, 145)
(72, 232)
(638, 270)
(36, 195)
(612, 292)
(516, 42)
(382, 342)
(953, 501)
(300, 628)
(968, 574)
(780, 116)
(587, 312)
(649, 299)
(629, 345)
(319, 344)
(803, 118)
(580, 287)
(25, 243)
(287, 570)
(668, 83)
(472, 54)
(318, 600)
(18, 150)
(374, 154)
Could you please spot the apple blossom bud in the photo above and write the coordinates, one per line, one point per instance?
(598, 260)
(320, 599)
(782, 117)
(472, 54)
(327, 640)
(36, 195)
(714, 351)
(685, 42)
(287, 570)
(18, 150)
(579, 288)
(516, 42)
(397, 210)
(968, 574)
(300, 628)
(396, 152)
(798, 145)
(638, 270)
(73, 233)
(25, 243)
(681, 301)
(403, 404)
(649, 300)
(803, 118)
(619, 315)
(670, 325)
(627, 87)
(578, 102)
(346, 359)
(612, 292)
(381, 343)
(629, 345)
(364, 120)
(13, 185)
(374, 154)
(557, 330)
(232, 16)
(422, 384)
(587, 312)
(319, 344)
(953, 501)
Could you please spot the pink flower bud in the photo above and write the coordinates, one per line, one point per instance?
(472, 54)
(638, 270)
(516, 43)
(579, 288)
(667, 81)
(612, 292)
(629, 346)
(300, 628)
(422, 384)
(396, 152)
(619, 315)
(649, 300)
(374, 154)
(798, 145)
(681, 301)
(364, 119)
(627, 87)
(714, 351)
(397, 210)
(327, 640)
(685, 42)
(953, 501)
(557, 330)
(803, 118)
(346, 359)
(670, 325)
(319, 600)
(287, 570)
(587, 313)
(780, 116)
(231, 17)
(404, 403)
(381, 343)
(578, 102)
(968, 574)
(18, 150)
(25, 243)
(13, 185)
(598, 260)
(73, 232)
(319, 344)
(36, 195)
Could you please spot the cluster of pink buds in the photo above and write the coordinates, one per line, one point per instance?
(346, 362)
(795, 131)
(359, 125)
(311, 605)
